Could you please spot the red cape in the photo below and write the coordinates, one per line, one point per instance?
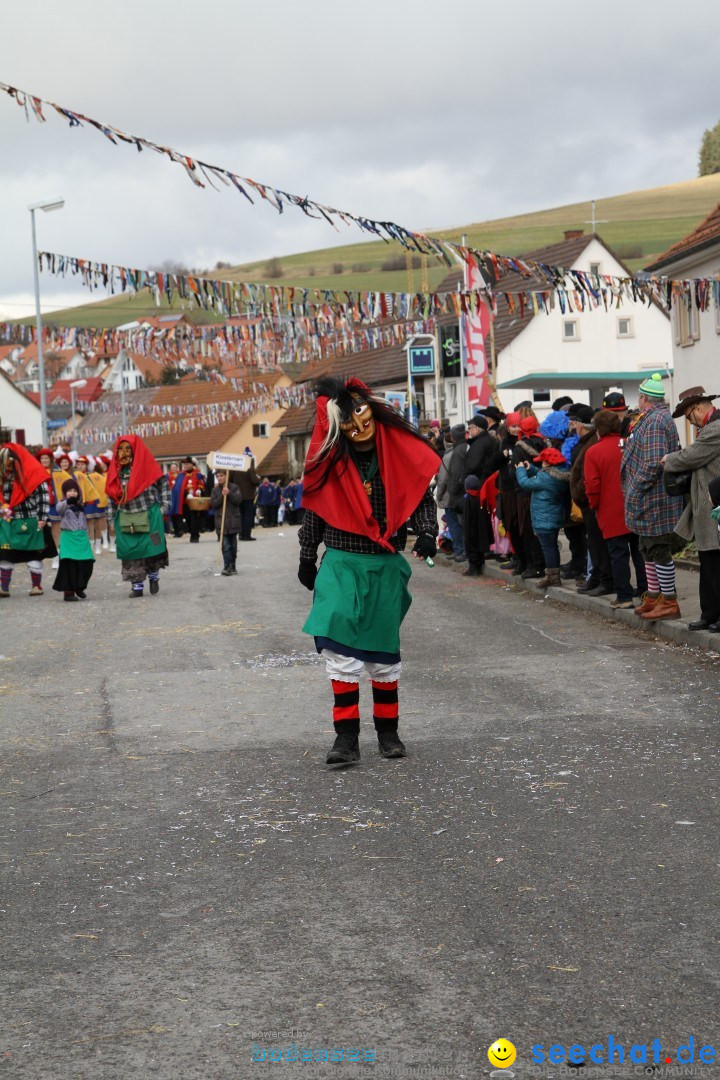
(406, 466)
(144, 472)
(29, 474)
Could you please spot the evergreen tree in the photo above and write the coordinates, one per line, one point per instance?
(709, 157)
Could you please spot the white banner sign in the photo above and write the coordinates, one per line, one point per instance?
(231, 462)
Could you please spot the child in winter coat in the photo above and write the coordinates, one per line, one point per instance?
(76, 557)
(229, 493)
(550, 491)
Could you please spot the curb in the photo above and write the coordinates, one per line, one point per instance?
(675, 630)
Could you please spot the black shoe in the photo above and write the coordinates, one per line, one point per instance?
(344, 751)
(714, 628)
(137, 592)
(569, 571)
(225, 572)
(233, 570)
(71, 597)
(530, 573)
(248, 539)
(390, 745)
(80, 594)
(587, 586)
(154, 587)
(599, 590)
(509, 564)
(194, 539)
(699, 624)
(472, 571)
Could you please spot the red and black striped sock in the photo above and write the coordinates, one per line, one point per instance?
(385, 705)
(346, 710)
(36, 577)
(5, 576)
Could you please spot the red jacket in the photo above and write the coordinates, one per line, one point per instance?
(601, 466)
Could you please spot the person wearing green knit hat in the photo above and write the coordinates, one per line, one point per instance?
(650, 511)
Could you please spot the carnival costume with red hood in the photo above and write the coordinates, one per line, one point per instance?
(138, 496)
(359, 492)
(24, 507)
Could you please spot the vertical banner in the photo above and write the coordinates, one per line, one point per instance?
(474, 329)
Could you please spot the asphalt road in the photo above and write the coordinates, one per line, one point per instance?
(184, 882)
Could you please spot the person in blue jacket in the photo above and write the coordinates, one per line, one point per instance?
(265, 496)
(550, 492)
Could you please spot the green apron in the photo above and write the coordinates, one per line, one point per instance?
(141, 545)
(21, 534)
(75, 545)
(360, 600)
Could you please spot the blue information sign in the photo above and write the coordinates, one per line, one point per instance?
(422, 359)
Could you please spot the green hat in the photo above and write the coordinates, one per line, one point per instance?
(653, 387)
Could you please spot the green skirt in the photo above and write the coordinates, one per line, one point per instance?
(360, 600)
(141, 545)
(75, 545)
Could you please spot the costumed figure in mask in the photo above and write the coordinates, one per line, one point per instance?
(25, 535)
(367, 472)
(138, 496)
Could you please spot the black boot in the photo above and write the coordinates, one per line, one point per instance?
(154, 587)
(390, 744)
(346, 749)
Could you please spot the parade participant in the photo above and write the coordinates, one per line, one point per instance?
(230, 523)
(45, 457)
(90, 497)
(549, 494)
(367, 472)
(248, 482)
(190, 483)
(60, 473)
(76, 557)
(138, 494)
(24, 504)
(98, 480)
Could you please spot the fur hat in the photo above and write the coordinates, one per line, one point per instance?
(70, 485)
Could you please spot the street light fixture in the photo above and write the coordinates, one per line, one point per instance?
(73, 387)
(54, 203)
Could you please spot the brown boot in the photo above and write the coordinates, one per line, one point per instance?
(552, 577)
(667, 607)
(649, 600)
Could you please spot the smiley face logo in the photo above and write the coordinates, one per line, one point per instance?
(502, 1053)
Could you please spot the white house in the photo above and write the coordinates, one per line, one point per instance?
(695, 337)
(20, 419)
(540, 357)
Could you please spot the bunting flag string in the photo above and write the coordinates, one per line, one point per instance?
(202, 174)
(578, 289)
(303, 311)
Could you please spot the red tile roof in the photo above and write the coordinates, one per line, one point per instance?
(90, 392)
(706, 235)
(199, 441)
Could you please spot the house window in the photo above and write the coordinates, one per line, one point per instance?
(625, 327)
(260, 431)
(686, 321)
(540, 396)
(595, 269)
(452, 388)
(570, 330)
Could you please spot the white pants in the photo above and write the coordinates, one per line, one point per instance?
(32, 564)
(350, 669)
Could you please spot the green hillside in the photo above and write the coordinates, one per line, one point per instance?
(638, 226)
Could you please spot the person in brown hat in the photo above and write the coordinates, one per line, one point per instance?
(702, 460)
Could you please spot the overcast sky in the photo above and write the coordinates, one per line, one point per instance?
(424, 113)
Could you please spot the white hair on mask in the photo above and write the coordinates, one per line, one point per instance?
(334, 416)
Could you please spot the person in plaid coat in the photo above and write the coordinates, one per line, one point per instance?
(649, 510)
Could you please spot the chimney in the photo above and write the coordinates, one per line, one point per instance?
(573, 234)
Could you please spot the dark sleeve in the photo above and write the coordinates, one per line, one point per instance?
(310, 535)
(424, 519)
(253, 477)
(234, 495)
(216, 497)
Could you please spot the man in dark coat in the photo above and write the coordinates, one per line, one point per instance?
(455, 466)
(228, 524)
(483, 454)
(248, 483)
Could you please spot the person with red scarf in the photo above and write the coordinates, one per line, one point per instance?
(367, 472)
(138, 496)
(25, 535)
(188, 484)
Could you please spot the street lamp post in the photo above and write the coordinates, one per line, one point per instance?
(73, 386)
(47, 205)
